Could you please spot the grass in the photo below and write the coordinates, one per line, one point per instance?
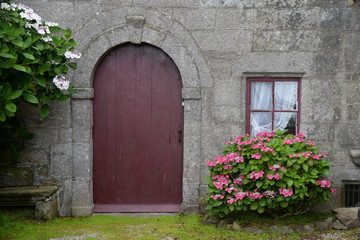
(20, 224)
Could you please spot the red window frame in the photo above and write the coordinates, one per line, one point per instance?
(273, 111)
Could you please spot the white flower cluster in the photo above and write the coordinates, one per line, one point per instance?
(35, 20)
(42, 28)
(61, 83)
(72, 54)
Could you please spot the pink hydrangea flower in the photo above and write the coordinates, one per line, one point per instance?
(286, 192)
(240, 195)
(217, 196)
(256, 156)
(333, 190)
(211, 163)
(269, 194)
(276, 176)
(274, 167)
(324, 182)
(255, 195)
(231, 200)
(229, 190)
(239, 180)
(310, 143)
(256, 175)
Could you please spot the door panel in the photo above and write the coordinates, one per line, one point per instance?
(137, 117)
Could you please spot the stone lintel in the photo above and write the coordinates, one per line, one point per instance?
(274, 74)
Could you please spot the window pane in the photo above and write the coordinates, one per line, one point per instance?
(260, 122)
(285, 95)
(261, 96)
(285, 120)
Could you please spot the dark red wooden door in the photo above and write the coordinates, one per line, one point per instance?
(138, 122)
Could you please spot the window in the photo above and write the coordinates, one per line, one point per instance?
(272, 103)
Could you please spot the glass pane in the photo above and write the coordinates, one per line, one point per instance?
(261, 96)
(260, 122)
(286, 95)
(285, 120)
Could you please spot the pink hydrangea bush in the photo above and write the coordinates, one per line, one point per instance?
(273, 172)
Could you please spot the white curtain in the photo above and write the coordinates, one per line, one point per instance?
(285, 99)
(261, 99)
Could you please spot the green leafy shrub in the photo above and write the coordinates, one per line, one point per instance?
(272, 172)
(34, 57)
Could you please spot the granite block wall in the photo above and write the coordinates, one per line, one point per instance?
(216, 45)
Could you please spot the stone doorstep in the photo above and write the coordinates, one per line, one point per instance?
(43, 197)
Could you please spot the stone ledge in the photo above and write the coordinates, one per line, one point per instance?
(43, 197)
(25, 195)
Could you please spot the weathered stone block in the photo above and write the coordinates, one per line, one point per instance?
(352, 52)
(322, 101)
(88, 9)
(6, 180)
(153, 35)
(262, 18)
(83, 93)
(263, 62)
(348, 216)
(231, 18)
(47, 209)
(81, 134)
(192, 110)
(220, 69)
(348, 135)
(35, 155)
(41, 174)
(65, 198)
(306, 41)
(329, 40)
(82, 158)
(61, 163)
(20, 175)
(65, 135)
(299, 18)
(191, 93)
(352, 77)
(234, 40)
(273, 41)
(196, 18)
(190, 193)
(352, 93)
(227, 114)
(336, 18)
(82, 193)
(227, 94)
(327, 64)
(82, 114)
(319, 132)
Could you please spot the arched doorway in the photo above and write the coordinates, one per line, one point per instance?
(137, 132)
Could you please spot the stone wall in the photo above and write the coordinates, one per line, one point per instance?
(216, 44)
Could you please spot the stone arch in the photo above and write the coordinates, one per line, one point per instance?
(136, 25)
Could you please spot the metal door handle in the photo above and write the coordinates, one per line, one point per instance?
(180, 136)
